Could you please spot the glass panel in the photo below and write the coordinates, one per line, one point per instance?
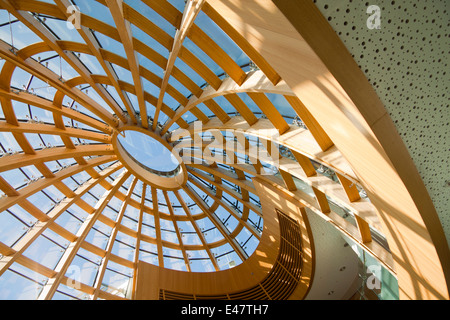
(148, 151)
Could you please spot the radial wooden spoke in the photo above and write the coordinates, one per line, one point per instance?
(58, 153)
(218, 224)
(157, 227)
(177, 230)
(49, 129)
(138, 239)
(242, 221)
(126, 37)
(236, 195)
(191, 11)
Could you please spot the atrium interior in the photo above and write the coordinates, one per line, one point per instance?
(224, 149)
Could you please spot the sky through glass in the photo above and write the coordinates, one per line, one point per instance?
(147, 151)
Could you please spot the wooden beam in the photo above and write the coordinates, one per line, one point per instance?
(44, 104)
(222, 187)
(316, 130)
(177, 231)
(251, 52)
(29, 127)
(242, 220)
(322, 200)
(39, 29)
(256, 82)
(350, 188)
(364, 230)
(157, 227)
(138, 241)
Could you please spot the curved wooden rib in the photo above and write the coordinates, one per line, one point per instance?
(22, 160)
(50, 287)
(253, 54)
(42, 103)
(126, 37)
(191, 10)
(24, 127)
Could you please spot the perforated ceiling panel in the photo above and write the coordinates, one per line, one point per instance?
(403, 49)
